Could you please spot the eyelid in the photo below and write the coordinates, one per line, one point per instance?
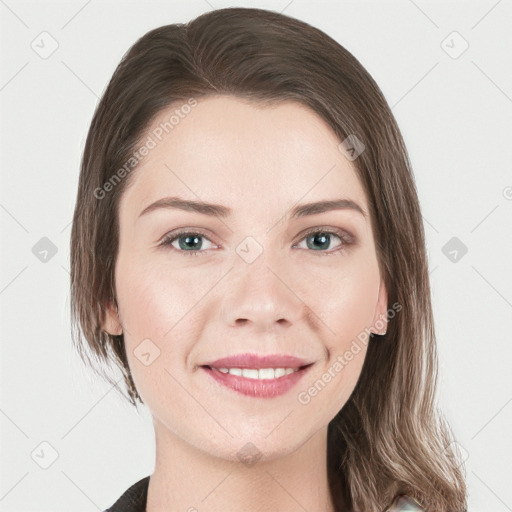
(182, 231)
(168, 238)
(345, 235)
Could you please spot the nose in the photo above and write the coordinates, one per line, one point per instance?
(261, 295)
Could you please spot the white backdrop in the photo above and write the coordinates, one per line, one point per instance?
(68, 441)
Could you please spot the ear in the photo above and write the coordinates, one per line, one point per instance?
(111, 323)
(380, 319)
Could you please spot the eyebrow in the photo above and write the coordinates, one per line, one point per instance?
(217, 210)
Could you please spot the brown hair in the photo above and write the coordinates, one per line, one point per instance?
(389, 438)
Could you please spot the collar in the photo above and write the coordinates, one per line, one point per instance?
(133, 499)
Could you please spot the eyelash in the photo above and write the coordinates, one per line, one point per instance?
(344, 236)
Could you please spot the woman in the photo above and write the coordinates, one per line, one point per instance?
(290, 362)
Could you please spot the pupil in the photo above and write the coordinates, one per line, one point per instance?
(320, 238)
(188, 244)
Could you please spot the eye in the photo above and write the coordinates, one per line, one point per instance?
(189, 242)
(320, 239)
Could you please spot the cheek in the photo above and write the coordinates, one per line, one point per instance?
(346, 307)
(344, 297)
(344, 371)
(155, 308)
(155, 301)
(349, 306)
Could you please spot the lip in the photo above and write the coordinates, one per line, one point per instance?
(257, 388)
(256, 361)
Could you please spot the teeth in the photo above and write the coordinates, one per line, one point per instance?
(262, 373)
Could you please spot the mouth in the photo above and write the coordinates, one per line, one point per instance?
(267, 373)
(256, 361)
(266, 382)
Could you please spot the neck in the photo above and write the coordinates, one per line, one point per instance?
(186, 478)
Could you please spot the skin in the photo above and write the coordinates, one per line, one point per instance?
(291, 299)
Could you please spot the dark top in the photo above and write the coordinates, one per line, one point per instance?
(133, 499)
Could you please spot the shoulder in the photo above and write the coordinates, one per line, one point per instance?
(133, 499)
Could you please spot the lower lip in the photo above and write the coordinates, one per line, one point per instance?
(258, 388)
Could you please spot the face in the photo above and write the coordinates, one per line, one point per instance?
(248, 278)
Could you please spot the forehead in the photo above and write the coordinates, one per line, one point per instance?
(231, 151)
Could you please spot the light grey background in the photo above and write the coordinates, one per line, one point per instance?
(455, 113)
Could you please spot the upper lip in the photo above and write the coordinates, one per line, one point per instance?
(259, 361)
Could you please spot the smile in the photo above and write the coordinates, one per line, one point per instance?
(258, 383)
